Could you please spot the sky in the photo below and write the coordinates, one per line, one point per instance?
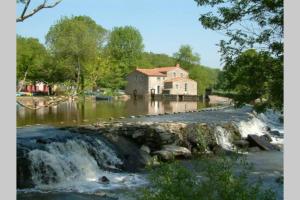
(164, 24)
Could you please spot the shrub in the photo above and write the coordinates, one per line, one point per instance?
(219, 180)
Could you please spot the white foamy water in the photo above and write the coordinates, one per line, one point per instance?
(70, 166)
(222, 137)
(258, 125)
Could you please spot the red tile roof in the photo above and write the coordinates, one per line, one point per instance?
(151, 72)
(159, 71)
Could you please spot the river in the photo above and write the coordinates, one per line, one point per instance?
(69, 166)
(89, 111)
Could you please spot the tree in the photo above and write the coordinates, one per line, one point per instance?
(76, 42)
(150, 59)
(249, 24)
(125, 47)
(251, 76)
(32, 60)
(186, 57)
(26, 14)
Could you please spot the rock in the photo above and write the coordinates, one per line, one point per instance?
(145, 149)
(254, 149)
(241, 143)
(280, 179)
(137, 133)
(266, 137)
(170, 152)
(275, 133)
(103, 179)
(255, 140)
(132, 116)
(164, 155)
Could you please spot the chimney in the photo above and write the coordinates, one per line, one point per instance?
(177, 65)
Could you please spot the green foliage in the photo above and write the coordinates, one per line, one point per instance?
(219, 181)
(247, 23)
(150, 59)
(33, 58)
(251, 77)
(75, 43)
(125, 47)
(205, 77)
(186, 58)
(250, 25)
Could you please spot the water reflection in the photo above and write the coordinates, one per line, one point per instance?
(71, 112)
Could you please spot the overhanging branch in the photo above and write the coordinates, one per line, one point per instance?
(25, 15)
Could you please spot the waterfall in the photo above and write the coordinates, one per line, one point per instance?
(75, 163)
(222, 138)
(264, 123)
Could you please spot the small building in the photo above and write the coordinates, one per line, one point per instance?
(163, 80)
(40, 87)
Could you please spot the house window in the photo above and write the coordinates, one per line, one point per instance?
(158, 78)
(185, 87)
(177, 86)
(174, 74)
(181, 74)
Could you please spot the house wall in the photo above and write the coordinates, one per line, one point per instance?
(154, 82)
(137, 81)
(178, 72)
(179, 87)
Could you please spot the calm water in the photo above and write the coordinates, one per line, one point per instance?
(72, 113)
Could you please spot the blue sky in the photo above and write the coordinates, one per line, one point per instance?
(164, 24)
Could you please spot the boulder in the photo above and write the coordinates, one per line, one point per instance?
(277, 133)
(241, 143)
(266, 137)
(103, 179)
(263, 144)
(145, 149)
(164, 155)
(169, 152)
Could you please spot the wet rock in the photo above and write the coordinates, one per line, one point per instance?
(170, 152)
(255, 140)
(241, 143)
(145, 149)
(200, 137)
(103, 179)
(266, 137)
(42, 141)
(164, 155)
(279, 180)
(277, 133)
(254, 149)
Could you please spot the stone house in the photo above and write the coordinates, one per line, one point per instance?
(163, 80)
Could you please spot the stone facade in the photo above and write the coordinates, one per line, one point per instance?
(164, 80)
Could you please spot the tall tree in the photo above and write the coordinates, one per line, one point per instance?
(249, 24)
(125, 47)
(76, 42)
(32, 60)
(26, 4)
(186, 57)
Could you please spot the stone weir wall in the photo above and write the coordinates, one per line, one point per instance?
(167, 141)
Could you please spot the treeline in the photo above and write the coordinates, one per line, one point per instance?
(85, 55)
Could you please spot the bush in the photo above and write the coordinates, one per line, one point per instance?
(219, 182)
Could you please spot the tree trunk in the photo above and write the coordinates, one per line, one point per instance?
(23, 81)
(78, 76)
